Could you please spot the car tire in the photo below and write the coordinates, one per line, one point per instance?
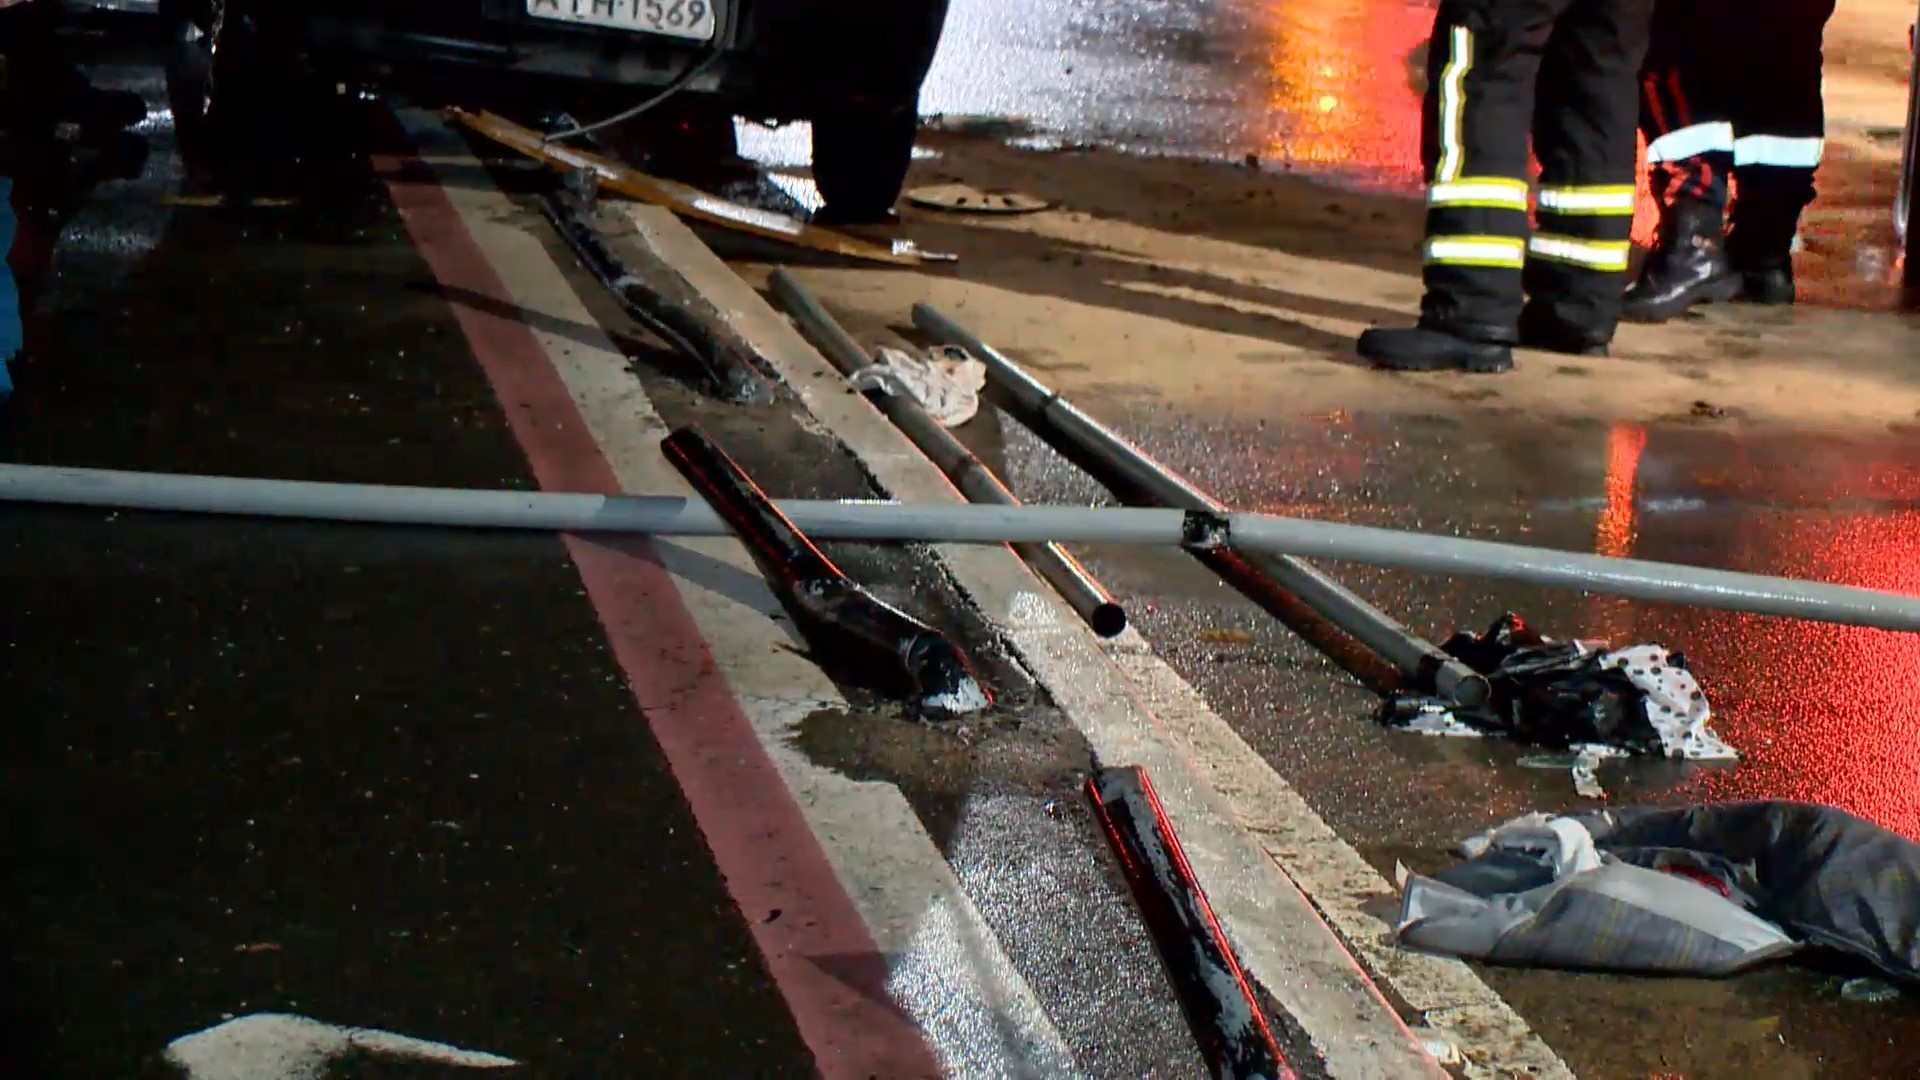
(860, 163)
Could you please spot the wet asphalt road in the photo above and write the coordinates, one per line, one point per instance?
(394, 778)
(181, 802)
(372, 776)
(1820, 713)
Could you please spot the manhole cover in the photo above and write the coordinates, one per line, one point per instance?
(966, 199)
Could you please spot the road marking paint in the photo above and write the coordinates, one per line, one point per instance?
(281, 1046)
(1280, 937)
(927, 950)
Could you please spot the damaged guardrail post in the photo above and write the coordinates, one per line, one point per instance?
(1222, 1010)
(942, 680)
(1122, 466)
(660, 300)
(1088, 598)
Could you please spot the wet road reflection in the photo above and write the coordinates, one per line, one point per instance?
(1321, 88)
(1821, 713)
(1314, 84)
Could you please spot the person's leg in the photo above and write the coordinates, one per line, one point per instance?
(1482, 61)
(1583, 134)
(1687, 99)
(1780, 135)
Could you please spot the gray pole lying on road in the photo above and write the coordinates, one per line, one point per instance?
(654, 515)
(962, 523)
(1050, 415)
(967, 472)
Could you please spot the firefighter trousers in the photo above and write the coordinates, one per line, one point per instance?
(1568, 72)
(1732, 88)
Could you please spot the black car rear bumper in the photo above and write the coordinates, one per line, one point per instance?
(777, 59)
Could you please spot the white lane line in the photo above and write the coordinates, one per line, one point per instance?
(948, 970)
(1278, 931)
(281, 1046)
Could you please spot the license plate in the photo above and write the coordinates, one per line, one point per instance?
(694, 20)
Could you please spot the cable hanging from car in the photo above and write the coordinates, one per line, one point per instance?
(680, 82)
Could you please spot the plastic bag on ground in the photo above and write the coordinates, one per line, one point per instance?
(946, 383)
(1537, 892)
(1699, 890)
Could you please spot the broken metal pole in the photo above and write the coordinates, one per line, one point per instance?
(662, 301)
(1123, 468)
(1088, 598)
(942, 680)
(963, 523)
(1225, 1015)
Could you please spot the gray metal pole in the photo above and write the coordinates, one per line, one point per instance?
(1699, 586)
(659, 515)
(1414, 656)
(975, 480)
(672, 515)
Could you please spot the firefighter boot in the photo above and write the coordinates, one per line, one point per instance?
(1760, 250)
(1687, 266)
(1760, 231)
(1768, 281)
(1541, 329)
(1422, 348)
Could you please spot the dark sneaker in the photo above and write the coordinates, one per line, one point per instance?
(1417, 348)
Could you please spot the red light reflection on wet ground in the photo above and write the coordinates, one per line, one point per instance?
(1821, 713)
(1824, 713)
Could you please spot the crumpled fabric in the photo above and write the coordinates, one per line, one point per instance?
(1540, 891)
(1701, 890)
(946, 383)
(1581, 696)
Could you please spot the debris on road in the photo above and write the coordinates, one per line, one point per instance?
(1697, 890)
(690, 202)
(946, 382)
(1583, 696)
(972, 477)
(1869, 991)
(1226, 1016)
(656, 296)
(937, 673)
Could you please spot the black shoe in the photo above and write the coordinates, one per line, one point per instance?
(1417, 348)
(1540, 330)
(1770, 283)
(833, 217)
(1688, 266)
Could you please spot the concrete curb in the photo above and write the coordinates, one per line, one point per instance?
(1210, 780)
(902, 886)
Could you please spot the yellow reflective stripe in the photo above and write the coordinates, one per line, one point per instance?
(1603, 200)
(1495, 192)
(1499, 251)
(1453, 103)
(1592, 254)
